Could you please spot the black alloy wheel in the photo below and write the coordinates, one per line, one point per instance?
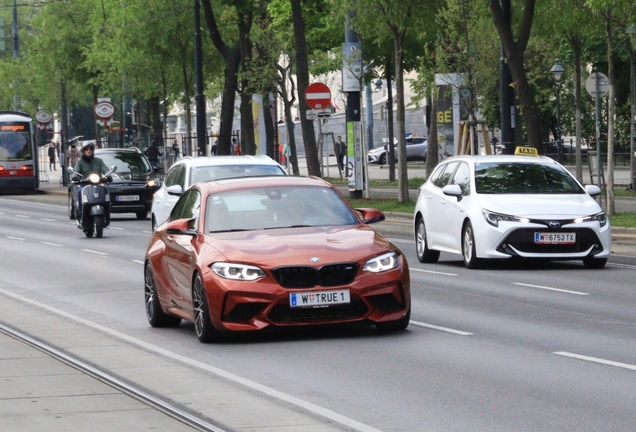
(202, 324)
(156, 317)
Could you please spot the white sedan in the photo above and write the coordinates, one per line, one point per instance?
(190, 170)
(503, 207)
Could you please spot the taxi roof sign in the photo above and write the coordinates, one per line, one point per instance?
(526, 151)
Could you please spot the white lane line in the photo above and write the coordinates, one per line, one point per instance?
(93, 252)
(51, 244)
(316, 409)
(117, 229)
(23, 216)
(15, 238)
(147, 232)
(48, 220)
(433, 272)
(596, 360)
(550, 288)
(444, 329)
(137, 262)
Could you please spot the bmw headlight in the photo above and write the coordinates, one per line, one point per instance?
(601, 218)
(494, 218)
(382, 263)
(237, 271)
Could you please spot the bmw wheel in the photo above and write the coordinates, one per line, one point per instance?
(202, 323)
(424, 254)
(156, 317)
(469, 251)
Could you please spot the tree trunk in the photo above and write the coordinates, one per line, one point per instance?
(389, 115)
(577, 50)
(611, 113)
(432, 156)
(403, 179)
(302, 77)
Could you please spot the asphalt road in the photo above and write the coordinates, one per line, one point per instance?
(514, 348)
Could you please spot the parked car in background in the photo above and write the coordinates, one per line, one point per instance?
(190, 170)
(244, 254)
(134, 182)
(416, 150)
(509, 207)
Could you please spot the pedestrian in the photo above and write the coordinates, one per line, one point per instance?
(214, 147)
(175, 149)
(236, 147)
(340, 149)
(153, 153)
(52, 151)
(74, 154)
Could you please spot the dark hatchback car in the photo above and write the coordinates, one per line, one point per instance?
(134, 182)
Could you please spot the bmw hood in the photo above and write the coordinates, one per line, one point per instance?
(301, 246)
(544, 206)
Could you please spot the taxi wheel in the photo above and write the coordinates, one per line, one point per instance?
(202, 323)
(382, 159)
(424, 254)
(395, 326)
(71, 208)
(469, 251)
(594, 263)
(153, 223)
(156, 317)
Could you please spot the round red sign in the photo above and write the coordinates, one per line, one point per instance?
(318, 96)
(104, 110)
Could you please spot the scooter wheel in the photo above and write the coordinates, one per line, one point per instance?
(98, 225)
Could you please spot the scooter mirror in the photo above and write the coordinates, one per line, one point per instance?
(113, 168)
(70, 170)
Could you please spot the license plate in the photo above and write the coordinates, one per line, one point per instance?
(128, 198)
(554, 238)
(319, 298)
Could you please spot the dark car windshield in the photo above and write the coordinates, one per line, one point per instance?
(277, 207)
(130, 165)
(524, 178)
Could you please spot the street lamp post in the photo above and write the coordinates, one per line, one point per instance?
(557, 70)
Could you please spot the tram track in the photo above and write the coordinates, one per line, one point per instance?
(157, 403)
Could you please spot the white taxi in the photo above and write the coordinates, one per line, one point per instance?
(503, 207)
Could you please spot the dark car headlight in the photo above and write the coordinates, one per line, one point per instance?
(601, 218)
(382, 263)
(494, 218)
(237, 271)
(153, 183)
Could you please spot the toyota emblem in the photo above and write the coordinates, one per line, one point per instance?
(555, 224)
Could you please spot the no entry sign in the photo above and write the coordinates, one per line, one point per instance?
(318, 96)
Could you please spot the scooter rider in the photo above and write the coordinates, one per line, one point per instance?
(86, 165)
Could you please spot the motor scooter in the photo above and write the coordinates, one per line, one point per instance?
(93, 199)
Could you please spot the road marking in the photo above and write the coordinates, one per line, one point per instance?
(51, 244)
(48, 220)
(596, 360)
(433, 272)
(23, 216)
(550, 289)
(444, 329)
(138, 262)
(316, 409)
(93, 252)
(117, 229)
(15, 238)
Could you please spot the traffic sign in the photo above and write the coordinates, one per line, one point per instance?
(603, 84)
(318, 96)
(313, 114)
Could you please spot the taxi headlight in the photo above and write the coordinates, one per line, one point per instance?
(237, 271)
(382, 263)
(601, 218)
(93, 178)
(494, 218)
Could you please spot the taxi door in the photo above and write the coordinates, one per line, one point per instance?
(436, 203)
(455, 210)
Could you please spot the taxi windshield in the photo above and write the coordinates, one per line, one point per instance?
(524, 178)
